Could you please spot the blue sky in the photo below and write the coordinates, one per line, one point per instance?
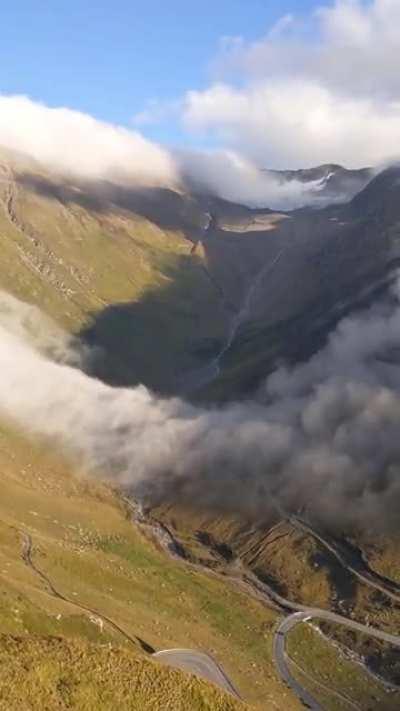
(109, 58)
(322, 87)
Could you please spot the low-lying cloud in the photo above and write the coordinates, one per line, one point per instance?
(323, 436)
(31, 326)
(76, 145)
(230, 176)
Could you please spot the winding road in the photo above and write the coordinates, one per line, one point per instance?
(296, 613)
(202, 664)
(306, 614)
(198, 663)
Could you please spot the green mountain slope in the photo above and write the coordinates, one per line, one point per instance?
(97, 579)
(87, 256)
(114, 267)
(73, 568)
(57, 673)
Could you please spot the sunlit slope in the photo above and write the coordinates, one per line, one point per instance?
(300, 568)
(55, 673)
(116, 267)
(100, 568)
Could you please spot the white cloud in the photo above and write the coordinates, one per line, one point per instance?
(323, 436)
(232, 177)
(297, 123)
(76, 143)
(324, 89)
(348, 46)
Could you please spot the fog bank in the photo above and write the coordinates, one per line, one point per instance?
(323, 436)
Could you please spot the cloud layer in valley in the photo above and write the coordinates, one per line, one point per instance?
(323, 436)
(77, 145)
(233, 177)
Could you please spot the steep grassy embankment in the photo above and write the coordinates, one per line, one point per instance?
(57, 674)
(100, 566)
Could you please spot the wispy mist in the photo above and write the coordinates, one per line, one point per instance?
(323, 436)
(31, 326)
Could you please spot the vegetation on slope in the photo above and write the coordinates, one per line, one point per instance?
(84, 542)
(324, 663)
(57, 674)
(109, 273)
(120, 275)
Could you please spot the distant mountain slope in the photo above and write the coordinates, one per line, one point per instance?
(333, 182)
(332, 261)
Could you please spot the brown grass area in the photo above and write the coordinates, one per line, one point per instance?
(43, 673)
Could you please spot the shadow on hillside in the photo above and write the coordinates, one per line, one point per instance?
(158, 338)
(167, 208)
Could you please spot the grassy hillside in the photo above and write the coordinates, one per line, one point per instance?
(85, 544)
(337, 679)
(114, 267)
(57, 674)
(102, 268)
(99, 266)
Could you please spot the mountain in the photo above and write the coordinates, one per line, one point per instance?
(332, 182)
(195, 296)
(86, 593)
(116, 265)
(336, 260)
(111, 264)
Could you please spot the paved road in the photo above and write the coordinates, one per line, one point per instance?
(296, 613)
(281, 661)
(279, 649)
(197, 663)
